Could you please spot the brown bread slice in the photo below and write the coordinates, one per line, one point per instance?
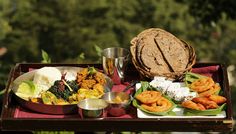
(142, 40)
(152, 57)
(173, 51)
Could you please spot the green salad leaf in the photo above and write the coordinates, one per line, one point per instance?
(191, 112)
(191, 77)
(91, 70)
(26, 89)
(146, 86)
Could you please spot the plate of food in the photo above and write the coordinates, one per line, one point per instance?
(196, 96)
(150, 100)
(57, 90)
(210, 100)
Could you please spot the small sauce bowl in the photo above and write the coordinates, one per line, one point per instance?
(118, 103)
(92, 108)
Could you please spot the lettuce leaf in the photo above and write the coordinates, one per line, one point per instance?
(26, 89)
(191, 77)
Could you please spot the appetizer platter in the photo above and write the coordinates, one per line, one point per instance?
(186, 101)
(170, 88)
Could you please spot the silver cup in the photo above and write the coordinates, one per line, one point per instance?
(92, 108)
(114, 61)
(118, 103)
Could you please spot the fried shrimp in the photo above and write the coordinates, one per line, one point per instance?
(161, 105)
(191, 105)
(148, 97)
(215, 88)
(218, 99)
(202, 84)
(201, 107)
(209, 104)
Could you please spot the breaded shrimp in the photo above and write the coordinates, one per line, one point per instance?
(209, 104)
(191, 105)
(218, 99)
(201, 107)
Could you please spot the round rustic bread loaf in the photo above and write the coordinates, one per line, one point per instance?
(156, 52)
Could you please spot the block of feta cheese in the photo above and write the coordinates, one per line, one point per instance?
(175, 90)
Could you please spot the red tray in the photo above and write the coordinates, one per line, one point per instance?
(15, 117)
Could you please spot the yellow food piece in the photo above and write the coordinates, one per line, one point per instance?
(90, 93)
(34, 100)
(61, 102)
(48, 98)
(117, 100)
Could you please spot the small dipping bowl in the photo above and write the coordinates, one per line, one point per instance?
(118, 103)
(92, 108)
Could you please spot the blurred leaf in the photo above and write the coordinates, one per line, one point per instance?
(45, 57)
(81, 56)
(5, 28)
(98, 50)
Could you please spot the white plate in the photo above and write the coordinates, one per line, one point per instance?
(179, 114)
(178, 111)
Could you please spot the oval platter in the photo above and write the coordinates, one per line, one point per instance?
(51, 109)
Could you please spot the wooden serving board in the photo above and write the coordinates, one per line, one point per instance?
(11, 119)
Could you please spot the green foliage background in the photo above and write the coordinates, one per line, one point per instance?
(75, 31)
(67, 28)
